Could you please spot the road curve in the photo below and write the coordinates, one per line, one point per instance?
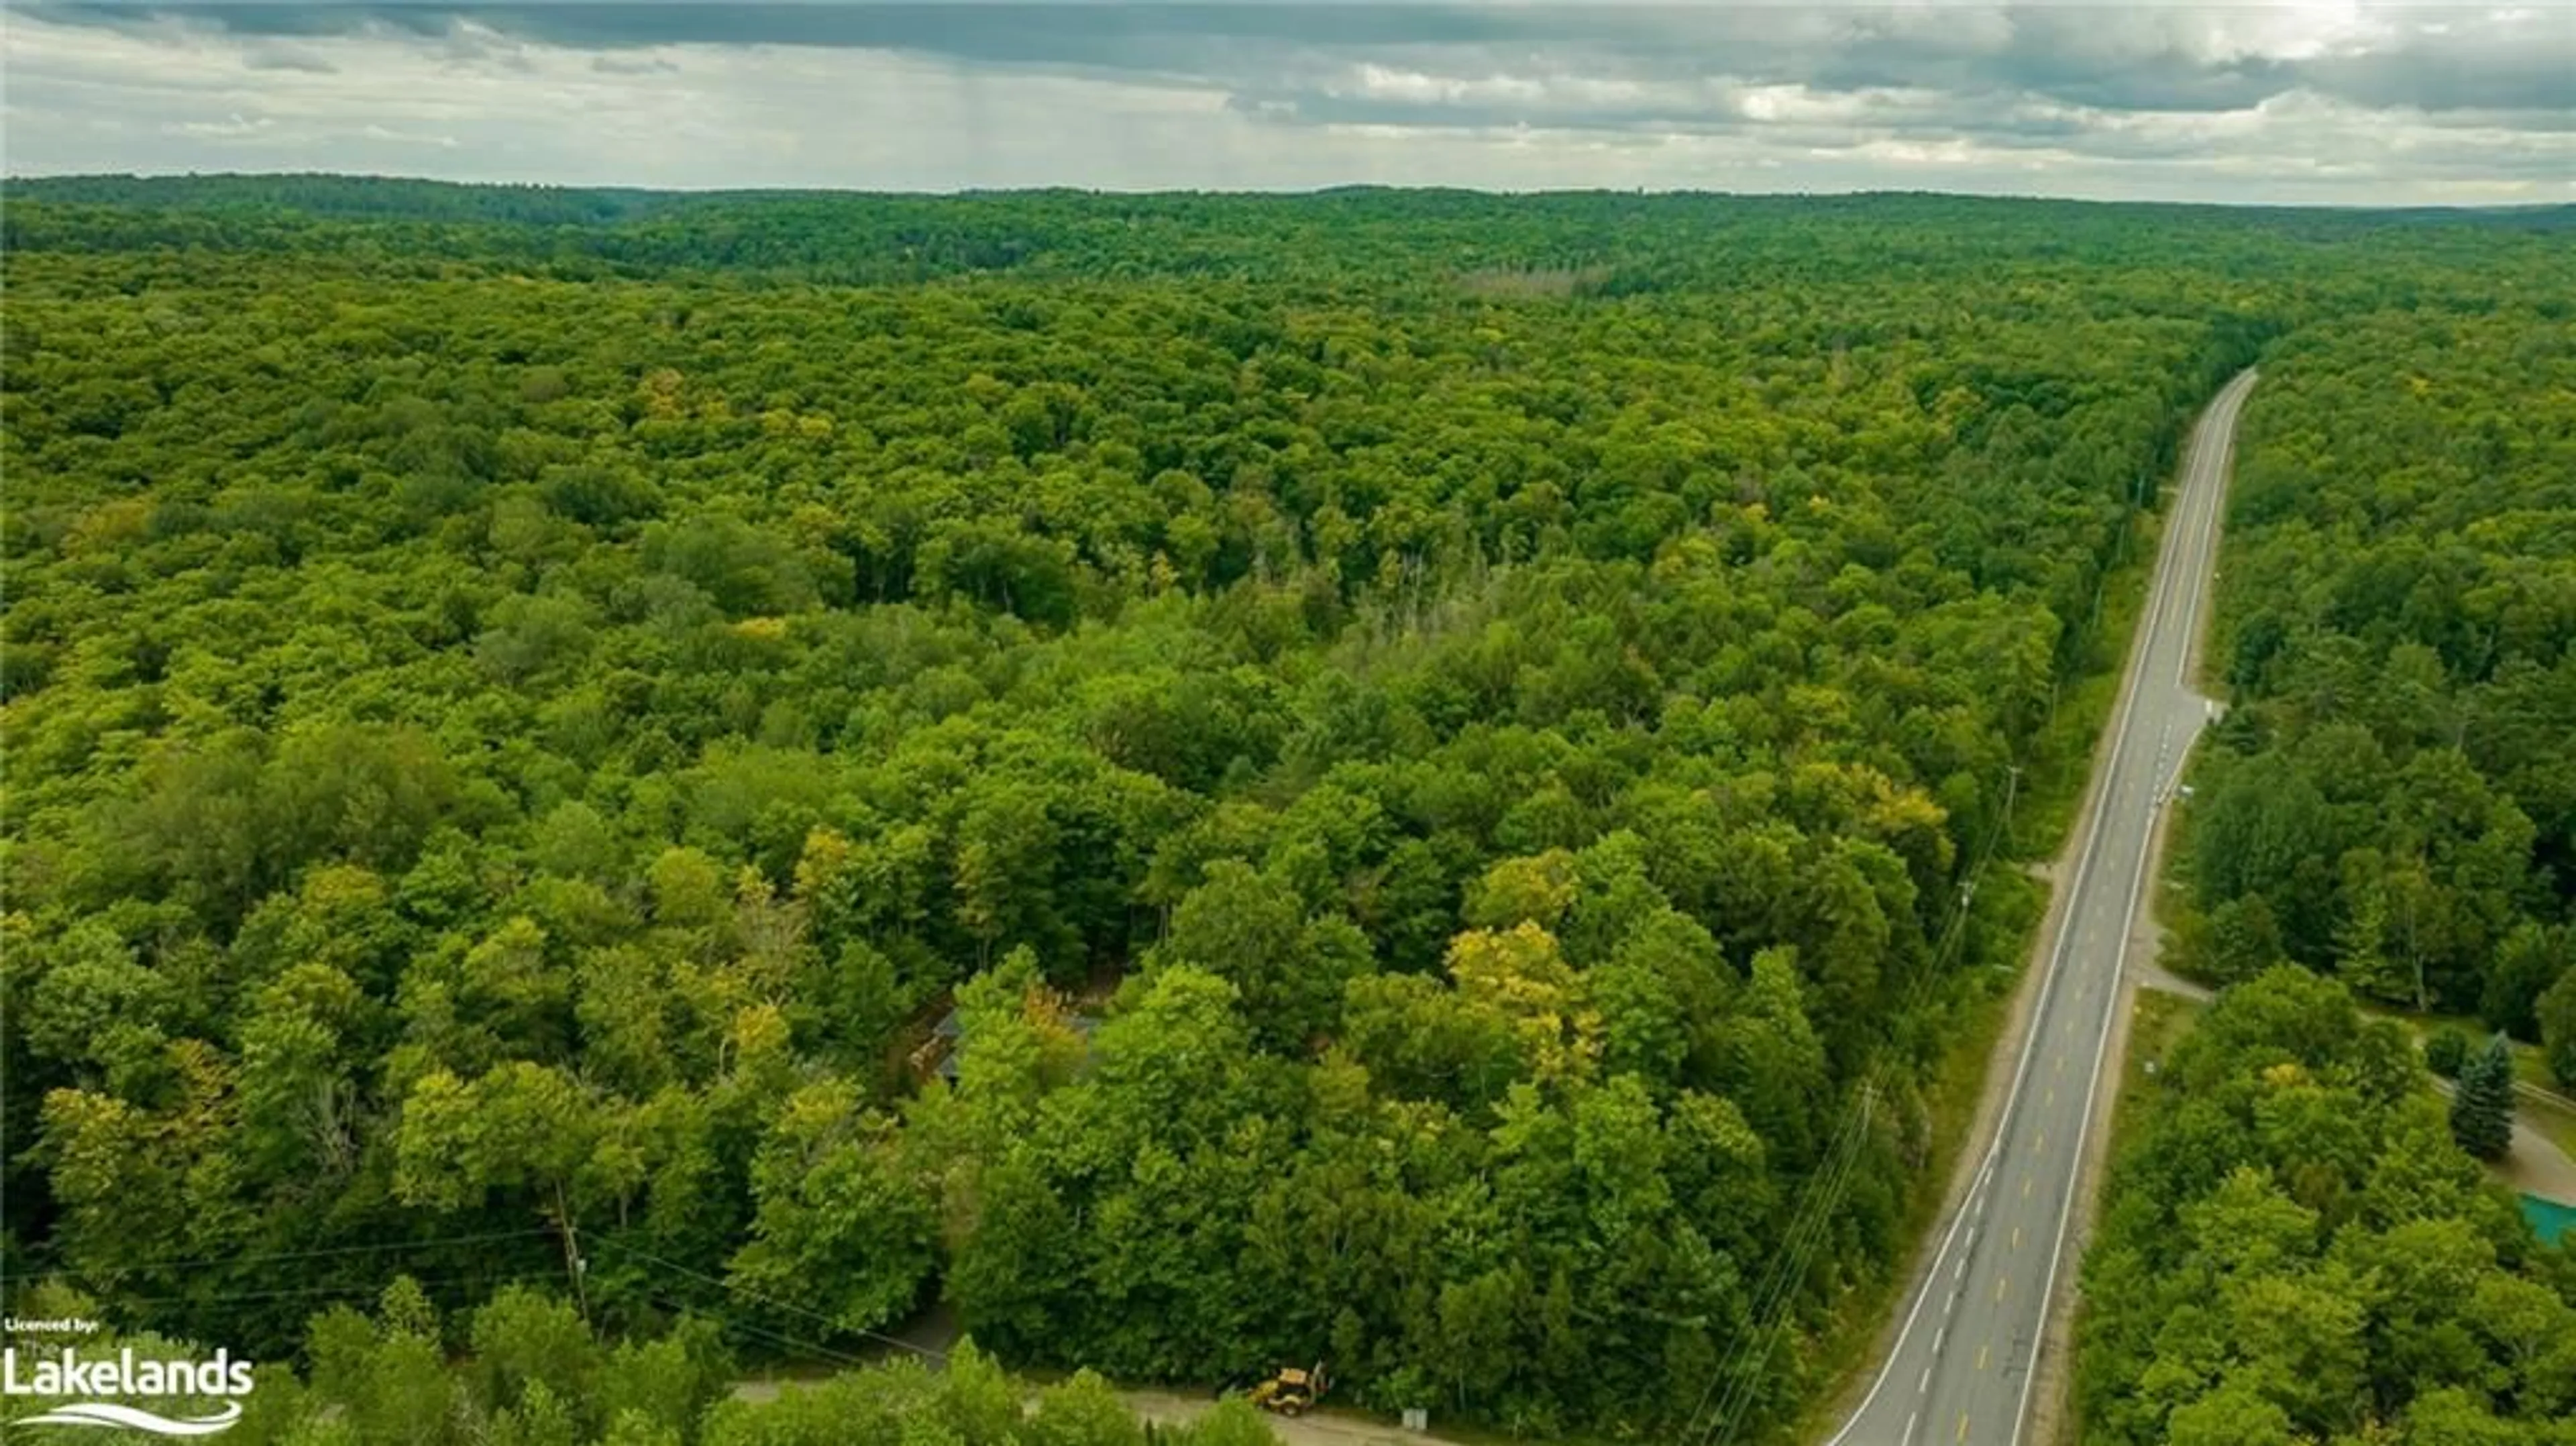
(1963, 1362)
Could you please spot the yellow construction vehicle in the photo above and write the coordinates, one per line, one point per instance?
(1291, 1391)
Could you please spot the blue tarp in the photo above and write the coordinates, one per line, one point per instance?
(2549, 1219)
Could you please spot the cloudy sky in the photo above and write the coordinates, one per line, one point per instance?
(2332, 102)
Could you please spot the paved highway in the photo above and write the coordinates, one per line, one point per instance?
(1962, 1366)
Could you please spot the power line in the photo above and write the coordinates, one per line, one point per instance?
(1731, 1382)
(1789, 1271)
(227, 1297)
(1775, 1291)
(775, 1338)
(95, 1271)
(1825, 1185)
(1760, 1298)
(733, 1288)
(1811, 1206)
(1797, 1278)
(1807, 1222)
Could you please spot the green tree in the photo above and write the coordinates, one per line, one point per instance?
(842, 1228)
(2482, 1106)
(1483, 703)
(2556, 1011)
(533, 1353)
(2445, 1051)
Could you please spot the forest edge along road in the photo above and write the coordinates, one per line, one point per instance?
(1979, 1317)
(1327, 1427)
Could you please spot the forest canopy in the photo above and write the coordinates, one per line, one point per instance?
(1420, 755)
(2394, 800)
(2299, 1248)
(2294, 1250)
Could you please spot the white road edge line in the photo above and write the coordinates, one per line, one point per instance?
(2215, 509)
(2159, 590)
(2230, 405)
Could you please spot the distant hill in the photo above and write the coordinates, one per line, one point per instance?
(1624, 241)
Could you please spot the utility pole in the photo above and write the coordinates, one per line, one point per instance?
(575, 1267)
(2413, 955)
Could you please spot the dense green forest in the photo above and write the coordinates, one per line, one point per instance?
(1323, 245)
(2294, 1251)
(1435, 745)
(2299, 1249)
(523, 1369)
(2393, 798)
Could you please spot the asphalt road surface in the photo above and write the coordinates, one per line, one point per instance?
(1962, 1366)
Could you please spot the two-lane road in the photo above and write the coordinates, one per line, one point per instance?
(1962, 1366)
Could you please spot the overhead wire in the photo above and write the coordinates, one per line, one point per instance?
(124, 1267)
(735, 1288)
(226, 1297)
(1810, 1223)
(1826, 1183)
(775, 1338)
(1778, 1290)
(100, 1274)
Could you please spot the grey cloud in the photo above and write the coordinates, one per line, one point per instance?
(1105, 33)
(2109, 56)
(2531, 65)
(2074, 56)
(1303, 87)
(626, 65)
(287, 57)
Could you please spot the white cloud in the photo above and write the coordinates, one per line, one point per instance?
(2107, 101)
(229, 127)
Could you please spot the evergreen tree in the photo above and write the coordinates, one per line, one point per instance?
(2482, 1107)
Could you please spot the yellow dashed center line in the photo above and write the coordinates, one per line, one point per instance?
(1963, 1426)
(2016, 1237)
(2025, 1187)
(1981, 1356)
(2001, 1284)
